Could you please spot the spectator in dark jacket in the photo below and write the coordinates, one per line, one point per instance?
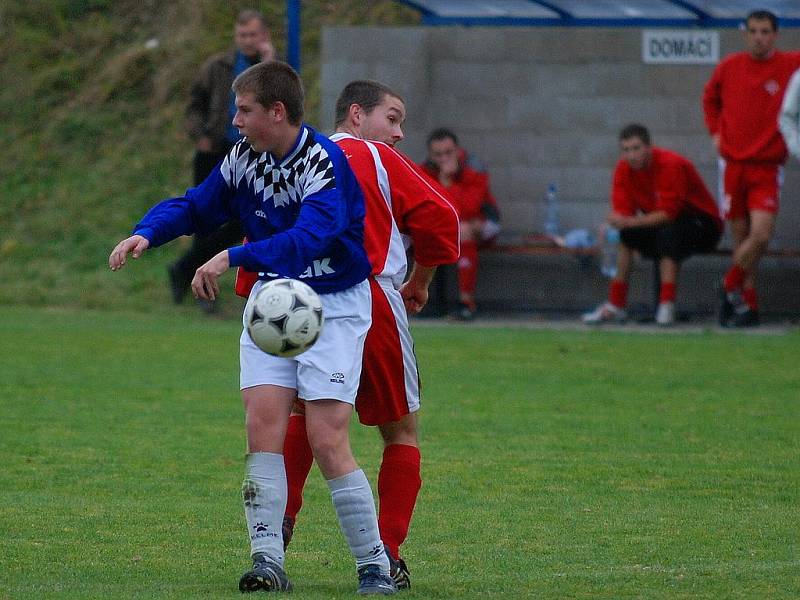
(209, 119)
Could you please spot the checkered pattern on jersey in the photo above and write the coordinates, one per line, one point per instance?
(305, 171)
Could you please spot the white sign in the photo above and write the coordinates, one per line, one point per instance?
(680, 47)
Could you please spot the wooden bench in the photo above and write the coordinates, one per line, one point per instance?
(541, 245)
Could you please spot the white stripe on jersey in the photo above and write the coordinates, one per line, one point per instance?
(396, 263)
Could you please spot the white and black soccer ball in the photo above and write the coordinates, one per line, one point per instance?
(284, 318)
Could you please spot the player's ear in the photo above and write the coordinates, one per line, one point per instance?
(355, 112)
(279, 109)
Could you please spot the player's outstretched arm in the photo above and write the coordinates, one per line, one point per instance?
(205, 284)
(136, 244)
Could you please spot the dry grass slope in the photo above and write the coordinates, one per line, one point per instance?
(93, 130)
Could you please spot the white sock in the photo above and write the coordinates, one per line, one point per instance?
(264, 496)
(352, 499)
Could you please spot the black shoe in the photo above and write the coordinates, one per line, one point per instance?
(399, 571)
(207, 306)
(265, 575)
(372, 582)
(287, 529)
(463, 313)
(725, 308)
(178, 283)
(745, 318)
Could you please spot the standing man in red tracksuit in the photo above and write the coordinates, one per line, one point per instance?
(741, 103)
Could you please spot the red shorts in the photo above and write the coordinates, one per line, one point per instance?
(750, 186)
(389, 387)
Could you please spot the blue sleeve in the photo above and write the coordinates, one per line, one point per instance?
(323, 217)
(201, 210)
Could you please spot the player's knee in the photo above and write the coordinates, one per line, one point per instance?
(403, 431)
(329, 451)
(760, 238)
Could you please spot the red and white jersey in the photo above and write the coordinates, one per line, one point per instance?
(402, 205)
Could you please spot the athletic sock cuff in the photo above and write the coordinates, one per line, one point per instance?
(262, 462)
(402, 453)
(354, 479)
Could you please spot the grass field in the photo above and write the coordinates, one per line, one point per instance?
(556, 464)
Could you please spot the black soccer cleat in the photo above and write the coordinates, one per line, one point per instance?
(463, 313)
(745, 318)
(725, 308)
(265, 575)
(399, 572)
(372, 582)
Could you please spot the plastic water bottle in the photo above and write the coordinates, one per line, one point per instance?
(608, 258)
(551, 226)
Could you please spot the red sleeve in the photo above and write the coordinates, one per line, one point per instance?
(712, 100)
(621, 200)
(672, 189)
(421, 210)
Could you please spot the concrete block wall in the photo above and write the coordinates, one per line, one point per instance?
(540, 105)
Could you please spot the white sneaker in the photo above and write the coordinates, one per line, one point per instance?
(605, 313)
(665, 314)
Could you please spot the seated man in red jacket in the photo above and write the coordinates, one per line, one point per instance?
(663, 210)
(468, 186)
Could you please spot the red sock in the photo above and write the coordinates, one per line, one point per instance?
(468, 269)
(618, 293)
(734, 278)
(750, 297)
(398, 485)
(667, 293)
(297, 457)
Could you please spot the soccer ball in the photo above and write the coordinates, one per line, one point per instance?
(284, 318)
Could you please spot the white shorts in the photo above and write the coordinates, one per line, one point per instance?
(331, 368)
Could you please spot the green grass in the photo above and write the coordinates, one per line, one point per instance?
(556, 464)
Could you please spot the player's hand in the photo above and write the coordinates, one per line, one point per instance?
(266, 51)
(414, 297)
(205, 284)
(136, 245)
(618, 221)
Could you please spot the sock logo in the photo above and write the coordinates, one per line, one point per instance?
(260, 527)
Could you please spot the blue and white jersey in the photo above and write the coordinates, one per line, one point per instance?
(303, 215)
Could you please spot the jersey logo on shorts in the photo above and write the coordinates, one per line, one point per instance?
(337, 377)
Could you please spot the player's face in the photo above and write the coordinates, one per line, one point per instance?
(250, 37)
(384, 123)
(635, 152)
(256, 122)
(444, 154)
(760, 38)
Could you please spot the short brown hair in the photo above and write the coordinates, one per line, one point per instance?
(442, 133)
(635, 130)
(248, 14)
(273, 82)
(367, 93)
(762, 15)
